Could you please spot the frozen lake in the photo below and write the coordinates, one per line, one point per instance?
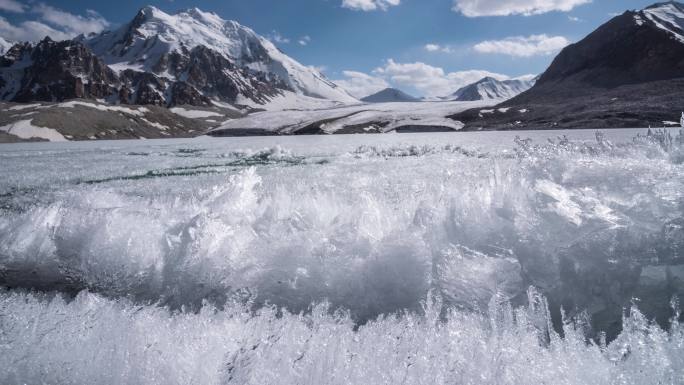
(198, 260)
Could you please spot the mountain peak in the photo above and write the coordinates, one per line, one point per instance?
(389, 95)
(5, 45)
(668, 16)
(148, 11)
(489, 88)
(626, 73)
(665, 4)
(158, 42)
(195, 11)
(209, 18)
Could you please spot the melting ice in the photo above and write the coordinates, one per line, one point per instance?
(348, 259)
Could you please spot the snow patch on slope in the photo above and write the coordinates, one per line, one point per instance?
(667, 16)
(140, 111)
(24, 129)
(23, 107)
(290, 101)
(193, 114)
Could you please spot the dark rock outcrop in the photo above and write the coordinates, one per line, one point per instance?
(55, 71)
(215, 76)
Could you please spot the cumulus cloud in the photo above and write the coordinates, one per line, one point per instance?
(91, 22)
(360, 84)
(320, 69)
(277, 38)
(437, 48)
(29, 31)
(11, 6)
(369, 5)
(52, 22)
(304, 40)
(521, 46)
(476, 8)
(429, 80)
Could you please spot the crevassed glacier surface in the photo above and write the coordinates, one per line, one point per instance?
(345, 260)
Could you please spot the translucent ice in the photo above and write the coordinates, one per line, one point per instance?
(162, 233)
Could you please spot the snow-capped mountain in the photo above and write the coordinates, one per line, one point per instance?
(389, 95)
(192, 57)
(629, 72)
(668, 16)
(637, 46)
(5, 45)
(489, 88)
(166, 46)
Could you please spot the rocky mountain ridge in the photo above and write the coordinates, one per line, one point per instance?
(191, 58)
(490, 88)
(629, 72)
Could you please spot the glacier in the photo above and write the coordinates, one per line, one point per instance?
(475, 257)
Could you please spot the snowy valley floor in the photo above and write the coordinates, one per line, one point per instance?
(80, 120)
(198, 260)
(355, 119)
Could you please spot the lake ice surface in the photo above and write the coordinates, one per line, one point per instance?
(370, 259)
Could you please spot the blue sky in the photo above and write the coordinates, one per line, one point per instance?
(389, 41)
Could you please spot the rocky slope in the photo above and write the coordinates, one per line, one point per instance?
(87, 120)
(389, 95)
(51, 70)
(629, 72)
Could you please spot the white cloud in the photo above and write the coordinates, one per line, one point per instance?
(369, 5)
(11, 6)
(430, 80)
(52, 22)
(29, 31)
(523, 46)
(360, 85)
(70, 23)
(304, 40)
(575, 19)
(318, 68)
(475, 8)
(277, 38)
(437, 48)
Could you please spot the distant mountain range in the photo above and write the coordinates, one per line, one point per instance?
(389, 95)
(487, 88)
(627, 73)
(490, 89)
(190, 58)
